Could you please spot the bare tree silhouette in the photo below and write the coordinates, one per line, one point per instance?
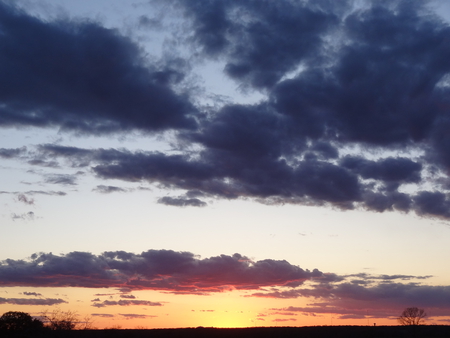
(61, 320)
(412, 316)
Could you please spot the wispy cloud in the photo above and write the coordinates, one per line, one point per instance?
(32, 301)
(125, 303)
(135, 315)
(28, 216)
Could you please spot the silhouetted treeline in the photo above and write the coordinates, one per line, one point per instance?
(425, 331)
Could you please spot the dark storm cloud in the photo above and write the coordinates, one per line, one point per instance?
(260, 40)
(226, 170)
(31, 301)
(170, 271)
(343, 84)
(80, 76)
(398, 170)
(433, 203)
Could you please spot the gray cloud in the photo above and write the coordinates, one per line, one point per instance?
(62, 179)
(32, 294)
(8, 153)
(31, 301)
(28, 216)
(104, 315)
(181, 201)
(24, 199)
(135, 316)
(375, 296)
(103, 189)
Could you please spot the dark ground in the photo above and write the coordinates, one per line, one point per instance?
(425, 331)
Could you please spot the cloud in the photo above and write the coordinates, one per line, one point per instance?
(8, 153)
(261, 41)
(29, 216)
(32, 294)
(284, 320)
(127, 296)
(80, 76)
(135, 316)
(103, 189)
(103, 315)
(185, 273)
(125, 303)
(354, 111)
(163, 270)
(31, 301)
(62, 179)
(35, 192)
(52, 193)
(360, 300)
(24, 199)
(181, 201)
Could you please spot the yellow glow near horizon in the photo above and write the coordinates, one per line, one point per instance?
(221, 310)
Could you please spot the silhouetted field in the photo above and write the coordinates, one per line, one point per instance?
(432, 331)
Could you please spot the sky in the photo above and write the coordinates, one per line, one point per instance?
(184, 163)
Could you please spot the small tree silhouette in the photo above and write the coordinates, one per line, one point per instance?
(61, 320)
(19, 321)
(412, 316)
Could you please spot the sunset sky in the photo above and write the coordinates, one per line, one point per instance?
(184, 163)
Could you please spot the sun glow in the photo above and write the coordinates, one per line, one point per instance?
(228, 320)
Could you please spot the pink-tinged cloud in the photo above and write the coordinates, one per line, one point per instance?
(284, 320)
(126, 303)
(385, 300)
(370, 289)
(31, 301)
(284, 313)
(366, 296)
(164, 270)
